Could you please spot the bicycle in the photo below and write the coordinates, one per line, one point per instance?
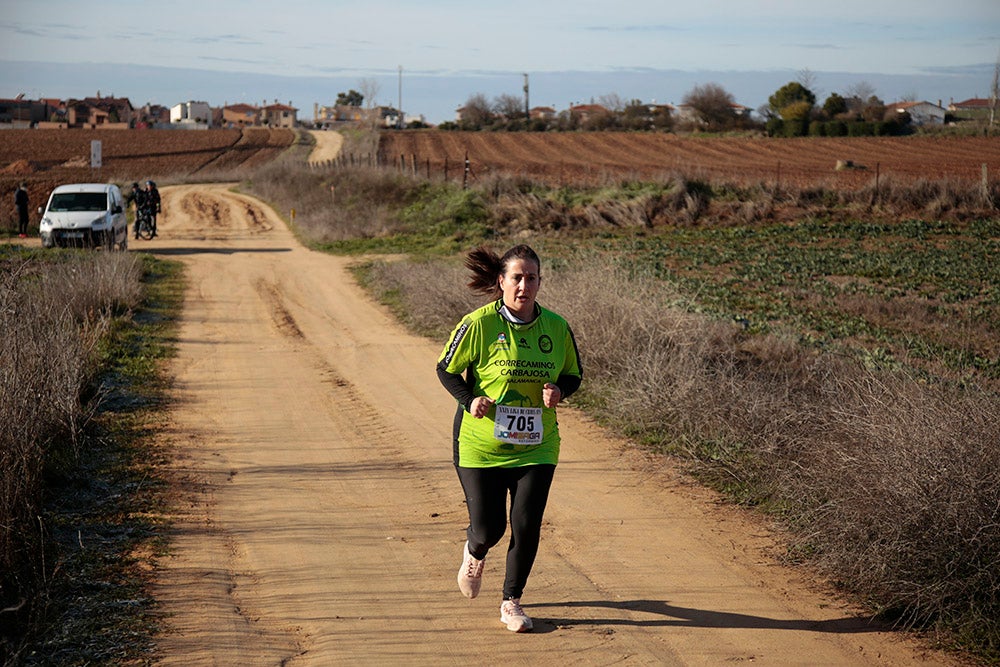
(144, 224)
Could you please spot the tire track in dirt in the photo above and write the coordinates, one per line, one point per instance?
(283, 320)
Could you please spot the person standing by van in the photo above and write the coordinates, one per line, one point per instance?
(21, 204)
(153, 202)
(137, 197)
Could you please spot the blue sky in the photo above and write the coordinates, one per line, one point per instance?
(307, 51)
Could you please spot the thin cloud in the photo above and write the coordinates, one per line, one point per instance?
(243, 61)
(976, 69)
(635, 28)
(45, 31)
(829, 47)
(224, 39)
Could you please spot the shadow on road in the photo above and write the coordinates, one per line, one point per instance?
(177, 252)
(702, 618)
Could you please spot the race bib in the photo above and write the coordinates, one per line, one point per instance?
(518, 426)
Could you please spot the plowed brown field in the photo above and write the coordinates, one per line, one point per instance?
(596, 156)
(46, 158)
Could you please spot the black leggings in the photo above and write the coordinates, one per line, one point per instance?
(486, 495)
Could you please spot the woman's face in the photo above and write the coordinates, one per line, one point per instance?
(519, 283)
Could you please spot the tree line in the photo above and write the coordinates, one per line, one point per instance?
(791, 111)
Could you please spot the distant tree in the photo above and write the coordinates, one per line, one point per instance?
(350, 99)
(369, 92)
(612, 102)
(508, 106)
(476, 112)
(834, 105)
(795, 118)
(636, 116)
(714, 105)
(662, 120)
(600, 120)
(789, 94)
(766, 112)
(808, 80)
(858, 95)
(873, 110)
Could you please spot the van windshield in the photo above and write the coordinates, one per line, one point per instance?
(79, 201)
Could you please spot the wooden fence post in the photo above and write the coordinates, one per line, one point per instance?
(985, 185)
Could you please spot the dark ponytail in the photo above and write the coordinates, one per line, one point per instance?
(487, 267)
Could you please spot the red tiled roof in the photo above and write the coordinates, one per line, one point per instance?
(973, 103)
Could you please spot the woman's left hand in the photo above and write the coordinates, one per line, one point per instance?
(551, 395)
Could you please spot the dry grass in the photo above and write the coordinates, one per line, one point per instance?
(889, 484)
(356, 203)
(53, 315)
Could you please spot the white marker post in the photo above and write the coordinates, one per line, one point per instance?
(95, 154)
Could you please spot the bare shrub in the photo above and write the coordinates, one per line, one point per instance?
(338, 205)
(403, 285)
(906, 505)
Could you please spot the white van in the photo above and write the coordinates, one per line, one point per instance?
(89, 215)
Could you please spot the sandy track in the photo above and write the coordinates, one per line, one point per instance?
(328, 144)
(320, 521)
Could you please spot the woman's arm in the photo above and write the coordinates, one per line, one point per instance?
(456, 386)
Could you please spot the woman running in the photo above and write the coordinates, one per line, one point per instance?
(508, 364)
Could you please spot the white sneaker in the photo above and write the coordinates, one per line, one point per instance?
(514, 617)
(470, 576)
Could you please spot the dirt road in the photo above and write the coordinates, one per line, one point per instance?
(321, 522)
(327, 146)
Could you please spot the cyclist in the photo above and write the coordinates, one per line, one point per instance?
(138, 198)
(153, 203)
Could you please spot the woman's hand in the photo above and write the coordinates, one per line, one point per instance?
(480, 406)
(551, 395)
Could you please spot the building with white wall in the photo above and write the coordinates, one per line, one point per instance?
(195, 113)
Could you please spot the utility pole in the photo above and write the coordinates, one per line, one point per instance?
(399, 120)
(994, 92)
(527, 112)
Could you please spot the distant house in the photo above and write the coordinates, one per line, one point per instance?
(740, 110)
(151, 115)
(687, 113)
(22, 113)
(542, 113)
(118, 111)
(976, 108)
(191, 113)
(279, 115)
(585, 112)
(330, 116)
(240, 115)
(655, 108)
(921, 113)
(972, 104)
(80, 113)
